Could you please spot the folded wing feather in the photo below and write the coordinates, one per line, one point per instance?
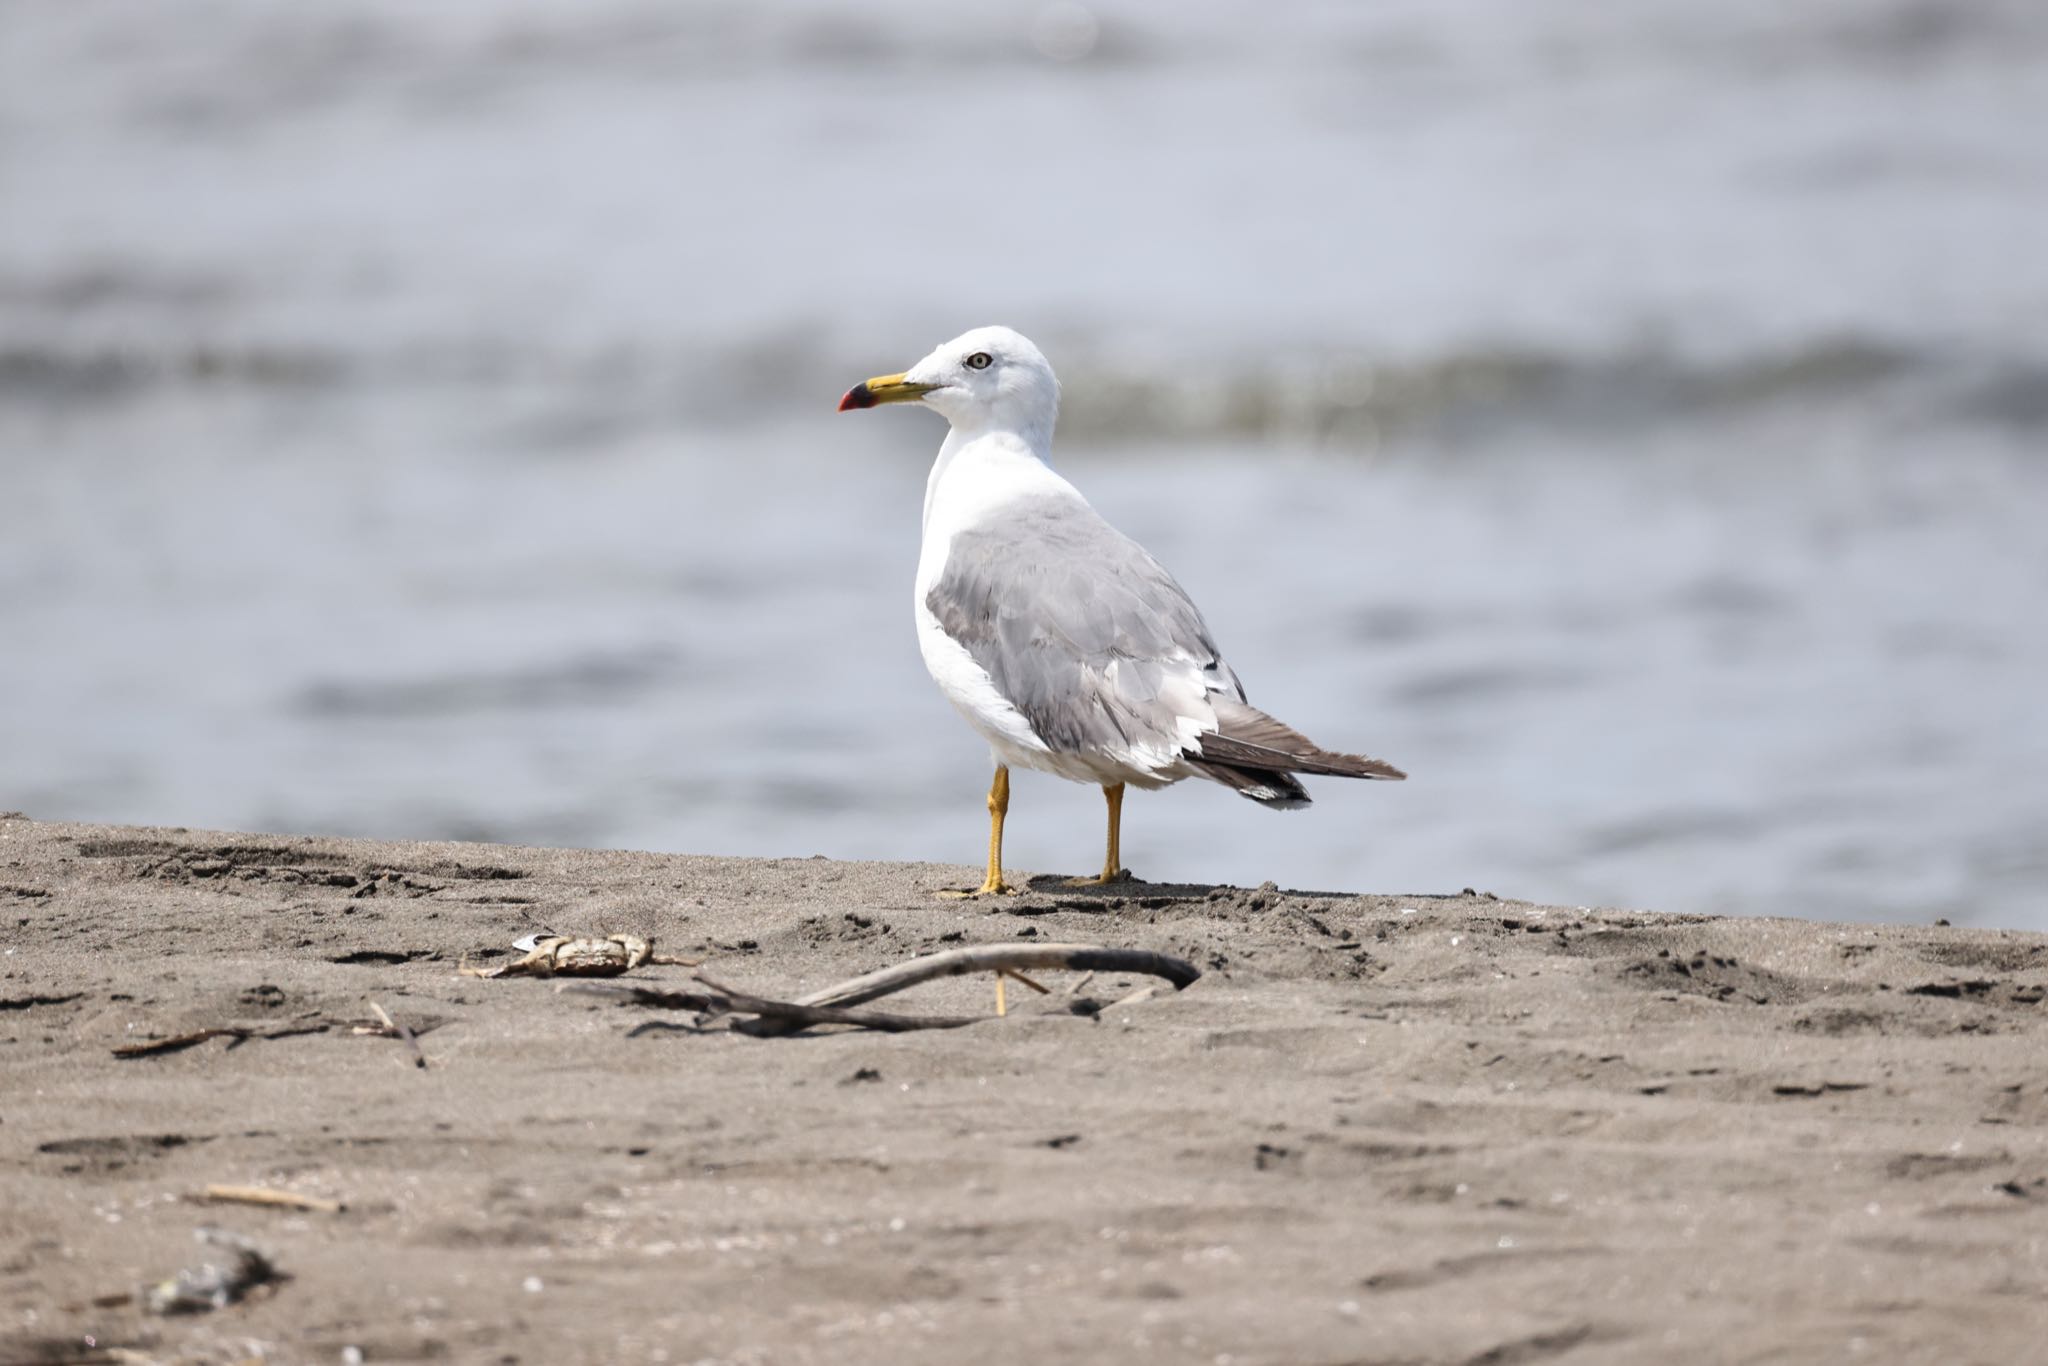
(1101, 651)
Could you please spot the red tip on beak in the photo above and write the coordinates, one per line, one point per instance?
(858, 396)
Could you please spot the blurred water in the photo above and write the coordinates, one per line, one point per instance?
(416, 420)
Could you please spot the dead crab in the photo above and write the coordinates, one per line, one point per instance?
(561, 955)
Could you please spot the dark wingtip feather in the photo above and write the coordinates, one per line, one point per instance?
(1267, 787)
(1247, 738)
(1229, 750)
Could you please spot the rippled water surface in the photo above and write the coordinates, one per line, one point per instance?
(416, 420)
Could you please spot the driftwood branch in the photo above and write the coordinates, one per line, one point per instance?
(1003, 958)
(834, 1005)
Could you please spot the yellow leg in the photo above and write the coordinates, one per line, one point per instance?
(998, 807)
(1112, 864)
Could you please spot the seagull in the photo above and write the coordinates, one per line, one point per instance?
(1060, 639)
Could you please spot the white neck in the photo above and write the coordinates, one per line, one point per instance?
(993, 462)
(1029, 422)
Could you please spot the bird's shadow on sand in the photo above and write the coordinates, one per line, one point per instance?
(1050, 892)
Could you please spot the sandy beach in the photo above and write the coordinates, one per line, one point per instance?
(1410, 1128)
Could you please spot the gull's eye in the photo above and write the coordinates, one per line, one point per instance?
(980, 360)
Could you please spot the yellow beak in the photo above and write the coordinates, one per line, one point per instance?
(883, 389)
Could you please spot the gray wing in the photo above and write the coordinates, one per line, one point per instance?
(1083, 631)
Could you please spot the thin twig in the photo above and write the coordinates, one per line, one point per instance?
(264, 1195)
(419, 1057)
(175, 1042)
(1013, 973)
(240, 1035)
(1141, 994)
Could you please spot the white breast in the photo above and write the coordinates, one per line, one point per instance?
(970, 484)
